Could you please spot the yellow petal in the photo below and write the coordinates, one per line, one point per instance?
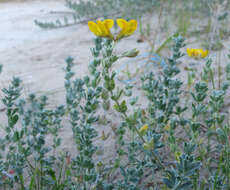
(177, 155)
(189, 52)
(127, 28)
(94, 28)
(197, 53)
(132, 27)
(108, 23)
(204, 54)
(104, 27)
(101, 27)
(122, 23)
(143, 128)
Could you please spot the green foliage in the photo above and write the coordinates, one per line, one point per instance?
(31, 146)
(181, 176)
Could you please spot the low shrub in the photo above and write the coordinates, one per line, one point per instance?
(161, 141)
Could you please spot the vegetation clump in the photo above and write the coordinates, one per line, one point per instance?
(163, 143)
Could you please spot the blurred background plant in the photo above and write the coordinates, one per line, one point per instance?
(205, 16)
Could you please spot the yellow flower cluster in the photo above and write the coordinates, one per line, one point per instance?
(102, 28)
(143, 130)
(197, 53)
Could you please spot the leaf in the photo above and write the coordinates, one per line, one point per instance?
(32, 182)
(14, 120)
(123, 107)
(185, 186)
(16, 136)
(168, 183)
(68, 172)
(163, 45)
(52, 174)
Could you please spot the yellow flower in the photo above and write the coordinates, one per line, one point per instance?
(127, 28)
(101, 28)
(197, 53)
(167, 127)
(143, 130)
(177, 155)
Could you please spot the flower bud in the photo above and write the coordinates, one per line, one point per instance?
(143, 130)
(132, 53)
(177, 155)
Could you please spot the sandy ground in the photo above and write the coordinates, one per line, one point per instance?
(35, 54)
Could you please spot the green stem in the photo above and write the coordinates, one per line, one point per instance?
(219, 71)
(212, 78)
(60, 176)
(137, 131)
(126, 117)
